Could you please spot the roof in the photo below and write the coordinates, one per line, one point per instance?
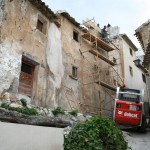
(71, 19)
(147, 56)
(138, 34)
(127, 39)
(43, 8)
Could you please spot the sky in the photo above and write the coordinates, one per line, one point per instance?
(127, 14)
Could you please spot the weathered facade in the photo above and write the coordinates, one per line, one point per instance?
(84, 50)
(26, 49)
(51, 60)
(143, 35)
(134, 75)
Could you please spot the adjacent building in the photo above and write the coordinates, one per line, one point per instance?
(143, 35)
(133, 72)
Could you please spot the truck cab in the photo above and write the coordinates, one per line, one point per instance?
(129, 107)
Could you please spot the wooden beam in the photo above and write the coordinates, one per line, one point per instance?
(96, 53)
(100, 43)
(106, 85)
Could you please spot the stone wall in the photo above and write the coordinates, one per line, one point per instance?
(20, 37)
(53, 52)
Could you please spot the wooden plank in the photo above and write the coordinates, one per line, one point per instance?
(100, 42)
(102, 57)
(25, 84)
(106, 85)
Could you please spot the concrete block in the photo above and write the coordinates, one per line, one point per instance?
(27, 137)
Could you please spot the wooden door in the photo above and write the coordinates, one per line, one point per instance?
(26, 79)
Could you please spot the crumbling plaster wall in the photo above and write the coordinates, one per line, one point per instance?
(72, 56)
(20, 36)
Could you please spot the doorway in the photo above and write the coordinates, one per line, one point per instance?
(26, 78)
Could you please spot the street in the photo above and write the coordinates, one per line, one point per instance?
(138, 141)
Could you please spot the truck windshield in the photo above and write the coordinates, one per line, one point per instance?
(130, 97)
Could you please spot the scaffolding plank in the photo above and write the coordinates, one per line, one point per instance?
(102, 57)
(106, 85)
(100, 42)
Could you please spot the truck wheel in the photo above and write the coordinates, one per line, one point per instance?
(143, 126)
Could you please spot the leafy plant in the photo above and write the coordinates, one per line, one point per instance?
(27, 111)
(58, 110)
(95, 134)
(5, 105)
(24, 102)
(74, 112)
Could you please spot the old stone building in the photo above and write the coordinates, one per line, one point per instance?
(25, 51)
(143, 35)
(52, 60)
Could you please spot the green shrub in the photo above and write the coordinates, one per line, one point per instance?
(95, 134)
(58, 110)
(5, 105)
(24, 102)
(74, 112)
(27, 111)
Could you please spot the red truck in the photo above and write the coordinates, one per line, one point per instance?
(130, 109)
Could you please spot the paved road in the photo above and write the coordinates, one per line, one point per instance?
(138, 141)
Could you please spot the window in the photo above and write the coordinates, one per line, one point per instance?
(115, 82)
(144, 78)
(74, 71)
(76, 36)
(41, 24)
(114, 60)
(26, 68)
(131, 52)
(26, 78)
(131, 70)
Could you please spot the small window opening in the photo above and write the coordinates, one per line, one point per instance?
(26, 68)
(131, 70)
(115, 82)
(74, 71)
(41, 24)
(131, 52)
(114, 60)
(144, 78)
(76, 36)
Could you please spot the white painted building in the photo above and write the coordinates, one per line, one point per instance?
(134, 75)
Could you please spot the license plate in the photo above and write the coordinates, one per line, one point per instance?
(132, 107)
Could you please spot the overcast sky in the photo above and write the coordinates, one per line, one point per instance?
(127, 14)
